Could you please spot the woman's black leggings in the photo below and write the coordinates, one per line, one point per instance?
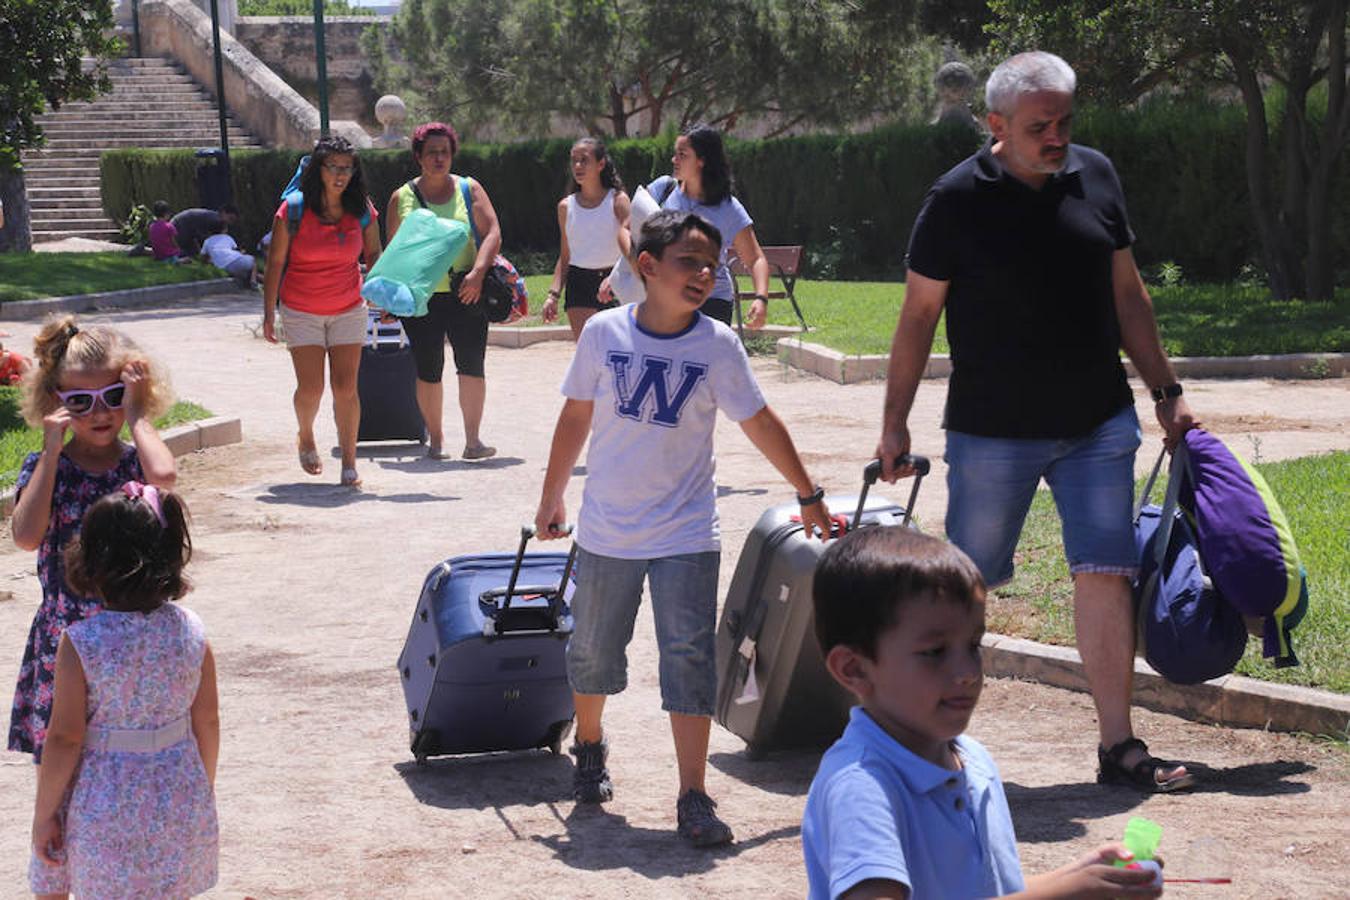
(464, 325)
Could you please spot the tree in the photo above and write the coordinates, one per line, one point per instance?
(42, 43)
(301, 8)
(1280, 55)
(621, 67)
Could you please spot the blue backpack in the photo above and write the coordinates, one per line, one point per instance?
(1188, 631)
(295, 199)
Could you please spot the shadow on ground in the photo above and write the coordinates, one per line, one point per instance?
(599, 840)
(426, 466)
(787, 772)
(490, 780)
(1056, 812)
(320, 495)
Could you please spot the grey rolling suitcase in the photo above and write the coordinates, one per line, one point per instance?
(773, 689)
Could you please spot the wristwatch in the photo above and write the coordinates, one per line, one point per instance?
(813, 498)
(762, 298)
(1166, 392)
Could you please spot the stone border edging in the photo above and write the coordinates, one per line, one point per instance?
(517, 336)
(1232, 701)
(844, 368)
(131, 297)
(203, 434)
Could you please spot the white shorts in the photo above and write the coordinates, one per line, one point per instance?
(309, 330)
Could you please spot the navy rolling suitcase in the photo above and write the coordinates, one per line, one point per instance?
(387, 386)
(483, 666)
(773, 688)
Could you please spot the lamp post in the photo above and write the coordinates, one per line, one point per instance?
(321, 67)
(220, 83)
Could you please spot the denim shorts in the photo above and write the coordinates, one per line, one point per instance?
(684, 605)
(991, 481)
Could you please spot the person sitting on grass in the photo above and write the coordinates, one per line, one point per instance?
(164, 236)
(645, 386)
(223, 253)
(904, 804)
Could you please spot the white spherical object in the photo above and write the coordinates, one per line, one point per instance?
(390, 110)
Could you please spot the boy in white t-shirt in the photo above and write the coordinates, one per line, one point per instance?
(645, 386)
(223, 253)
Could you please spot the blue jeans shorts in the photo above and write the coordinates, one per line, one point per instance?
(991, 481)
(684, 605)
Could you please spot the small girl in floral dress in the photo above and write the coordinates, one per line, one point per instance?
(88, 381)
(125, 802)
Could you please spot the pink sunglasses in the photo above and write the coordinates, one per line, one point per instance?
(81, 401)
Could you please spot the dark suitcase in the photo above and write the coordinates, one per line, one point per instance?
(483, 666)
(773, 688)
(387, 385)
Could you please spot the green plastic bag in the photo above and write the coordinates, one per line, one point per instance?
(405, 275)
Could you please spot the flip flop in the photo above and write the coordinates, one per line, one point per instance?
(311, 462)
(482, 451)
(350, 478)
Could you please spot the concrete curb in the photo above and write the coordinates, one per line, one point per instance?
(517, 336)
(1233, 701)
(146, 296)
(849, 369)
(181, 440)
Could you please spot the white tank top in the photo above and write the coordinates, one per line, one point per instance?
(592, 234)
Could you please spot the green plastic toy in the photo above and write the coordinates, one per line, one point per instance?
(1142, 837)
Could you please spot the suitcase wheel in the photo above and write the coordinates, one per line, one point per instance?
(755, 752)
(424, 744)
(557, 733)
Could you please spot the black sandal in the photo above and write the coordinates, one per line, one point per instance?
(1143, 774)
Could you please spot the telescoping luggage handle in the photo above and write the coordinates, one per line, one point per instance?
(555, 595)
(872, 472)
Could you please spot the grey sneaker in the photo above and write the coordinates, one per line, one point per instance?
(590, 778)
(698, 823)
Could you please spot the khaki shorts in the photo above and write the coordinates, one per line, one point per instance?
(309, 330)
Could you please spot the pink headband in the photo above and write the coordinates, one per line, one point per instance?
(148, 494)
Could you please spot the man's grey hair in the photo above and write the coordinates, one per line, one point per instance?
(1026, 73)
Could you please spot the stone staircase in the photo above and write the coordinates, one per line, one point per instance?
(153, 103)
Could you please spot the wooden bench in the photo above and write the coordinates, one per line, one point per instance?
(784, 262)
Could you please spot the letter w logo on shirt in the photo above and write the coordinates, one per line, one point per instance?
(652, 379)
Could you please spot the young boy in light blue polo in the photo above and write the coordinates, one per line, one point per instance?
(904, 804)
(645, 386)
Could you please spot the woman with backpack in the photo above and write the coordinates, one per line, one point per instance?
(314, 274)
(701, 183)
(452, 311)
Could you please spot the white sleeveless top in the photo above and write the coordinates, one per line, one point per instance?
(592, 234)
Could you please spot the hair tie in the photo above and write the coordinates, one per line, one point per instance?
(148, 494)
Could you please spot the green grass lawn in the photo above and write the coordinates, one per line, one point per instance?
(1195, 320)
(32, 276)
(17, 440)
(1037, 604)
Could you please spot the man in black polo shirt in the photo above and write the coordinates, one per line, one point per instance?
(1027, 245)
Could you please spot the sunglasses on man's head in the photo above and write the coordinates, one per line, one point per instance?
(81, 402)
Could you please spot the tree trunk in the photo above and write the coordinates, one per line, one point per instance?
(1335, 135)
(16, 236)
(1282, 264)
(617, 114)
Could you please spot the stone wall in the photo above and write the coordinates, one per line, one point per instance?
(286, 45)
(261, 101)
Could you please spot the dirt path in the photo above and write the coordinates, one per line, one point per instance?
(307, 591)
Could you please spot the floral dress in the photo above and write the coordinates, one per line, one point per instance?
(140, 822)
(74, 492)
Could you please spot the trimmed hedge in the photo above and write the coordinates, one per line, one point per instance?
(850, 199)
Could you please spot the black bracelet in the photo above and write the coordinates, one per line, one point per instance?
(815, 497)
(762, 298)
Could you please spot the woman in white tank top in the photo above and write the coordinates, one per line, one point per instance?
(593, 221)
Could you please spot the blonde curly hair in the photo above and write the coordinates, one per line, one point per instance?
(64, 345)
